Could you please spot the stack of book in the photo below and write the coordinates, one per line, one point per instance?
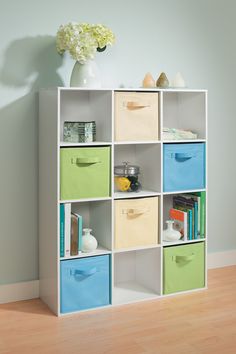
(188, 213)
(71, 225)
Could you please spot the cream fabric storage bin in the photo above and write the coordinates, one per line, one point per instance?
(136, 116)
(136, 222)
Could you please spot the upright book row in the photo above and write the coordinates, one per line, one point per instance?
(71, 226)
(188, 213)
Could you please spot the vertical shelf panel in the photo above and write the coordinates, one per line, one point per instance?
(48, 199)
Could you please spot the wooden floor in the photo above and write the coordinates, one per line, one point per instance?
(201, 322)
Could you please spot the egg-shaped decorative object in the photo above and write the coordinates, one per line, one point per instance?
(178, 81)
(148, 81)
(162, 81)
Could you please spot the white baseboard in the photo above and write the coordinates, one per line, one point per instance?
(30, 289)
(221, 259)
(19, 291)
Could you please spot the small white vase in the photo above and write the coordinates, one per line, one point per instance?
(85, 75)
(170, 234)
(89, 242)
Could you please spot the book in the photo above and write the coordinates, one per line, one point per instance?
(180, 222)
(77, 232)
(192, 198)
(197, 199)
(74, 248)
(80, 230)
(67, 207)
(189, 203)
(202, 196)
(181, 204)
(62, 230)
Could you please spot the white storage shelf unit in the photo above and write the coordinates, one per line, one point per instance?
(137, 273)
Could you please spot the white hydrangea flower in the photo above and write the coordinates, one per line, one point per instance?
(83, 40)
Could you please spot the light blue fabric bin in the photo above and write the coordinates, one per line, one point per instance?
(85, 283)
(184, 166)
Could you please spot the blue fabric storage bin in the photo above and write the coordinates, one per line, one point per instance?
(85, 283)
(184, 166)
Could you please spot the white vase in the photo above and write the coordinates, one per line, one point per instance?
(85, 75)
(89, 242)
(170, 234)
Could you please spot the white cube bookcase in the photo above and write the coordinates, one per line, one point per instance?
(137, 273)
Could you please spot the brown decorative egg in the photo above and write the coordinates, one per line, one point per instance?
(162, 81)
(148, 81)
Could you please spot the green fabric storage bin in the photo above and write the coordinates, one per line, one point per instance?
(85, 172)
(184, 267)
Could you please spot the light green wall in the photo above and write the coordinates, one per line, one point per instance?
(194, 37)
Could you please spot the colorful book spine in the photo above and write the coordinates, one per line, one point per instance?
(190, 203)
(202, 196)
(62, 230)
(181, 204)
(74, 235)
(79, 221)
(67, 229)
(180, 221)
(195, 220)
(197, 216)
(190, 224)
(80, 231)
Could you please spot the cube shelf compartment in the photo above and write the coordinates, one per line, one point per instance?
(94, 214)
(186, 111)
(87, 105)
(167, 205)
(139, 268)
(147, 157)
(136, 275)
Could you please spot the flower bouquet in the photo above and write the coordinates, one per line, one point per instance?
(83, 40)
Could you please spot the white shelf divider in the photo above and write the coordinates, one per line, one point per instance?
(94, 143)
(98, 252)
(140, 194)
(166, 244)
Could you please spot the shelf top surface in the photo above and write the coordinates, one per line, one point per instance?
(126, 89)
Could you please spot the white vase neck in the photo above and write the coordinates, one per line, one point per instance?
(87, 232)
(170, 224)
